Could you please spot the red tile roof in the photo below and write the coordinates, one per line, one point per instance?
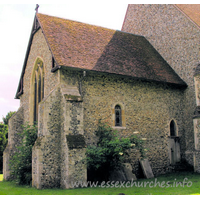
(90, 47)
(192, 11)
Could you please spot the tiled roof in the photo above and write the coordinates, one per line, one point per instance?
(192, 11)
(89, 47)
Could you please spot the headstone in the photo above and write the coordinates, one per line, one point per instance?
(146, 168)
(117, 175)
(128, 172)
(123, 174)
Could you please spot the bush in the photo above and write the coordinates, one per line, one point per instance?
(8, 116)
(3, 142)
(21, 161)
(110, 151)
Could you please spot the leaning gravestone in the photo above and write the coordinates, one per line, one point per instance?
(117, 175)
(127, 168)
(146, 168)
(123, 174)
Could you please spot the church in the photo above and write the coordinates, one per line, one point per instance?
(142, 80)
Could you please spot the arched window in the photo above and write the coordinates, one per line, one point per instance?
(173, 128)
(118, 116)
(38, 87)
(35, 99)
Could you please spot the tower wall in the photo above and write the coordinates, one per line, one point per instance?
(176, 38)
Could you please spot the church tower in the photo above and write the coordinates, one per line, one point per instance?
(174, 30)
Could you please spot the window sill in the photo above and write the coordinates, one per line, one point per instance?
(119, 127)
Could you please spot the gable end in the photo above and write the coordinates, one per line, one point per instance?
(36, 26)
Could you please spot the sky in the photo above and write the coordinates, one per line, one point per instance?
(16, 21)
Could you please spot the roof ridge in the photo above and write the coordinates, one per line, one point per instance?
(91, 24)
(72, 20)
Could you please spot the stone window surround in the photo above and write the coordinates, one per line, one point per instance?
(197, 85)
(176, 133)
(38, 60)
(122, 116)
(196, 131)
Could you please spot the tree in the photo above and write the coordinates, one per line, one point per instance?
(21, 161)
(8, 116)
(4, 136)
(3, 143)
(5, 120)
(110, 151)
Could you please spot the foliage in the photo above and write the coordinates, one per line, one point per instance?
(3, 142)
(4, 136)
(21, 162)
(8, 116)
(110, 151)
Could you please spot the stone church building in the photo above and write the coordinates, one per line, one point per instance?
(143, 80)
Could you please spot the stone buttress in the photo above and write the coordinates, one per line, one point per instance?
(60, 147)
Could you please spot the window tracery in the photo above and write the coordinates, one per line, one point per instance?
(38, 89)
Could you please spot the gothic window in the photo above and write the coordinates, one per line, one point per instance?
(118, 116)
(172, 128)
(35, 99)
(38, 88)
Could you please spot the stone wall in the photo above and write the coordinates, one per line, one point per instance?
(196, 161)
(148, 109)
(46, 151)
(39, 49)
(14, 127)
(55, 163)
(72, 139)
(176, 38)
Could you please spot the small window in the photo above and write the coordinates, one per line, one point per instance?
(172, 128)
(118, 116)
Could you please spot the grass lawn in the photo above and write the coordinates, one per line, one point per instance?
(171, 184)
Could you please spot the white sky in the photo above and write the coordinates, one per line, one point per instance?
(16, 22)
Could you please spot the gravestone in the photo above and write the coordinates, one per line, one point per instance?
(123, 174)
(117, 175)
(127, 168)
(146, 168)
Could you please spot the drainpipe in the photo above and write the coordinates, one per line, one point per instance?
(80, 82)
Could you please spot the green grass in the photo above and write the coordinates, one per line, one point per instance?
(10, 188)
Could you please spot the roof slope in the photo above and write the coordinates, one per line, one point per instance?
(192, 11)
(90, 47)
